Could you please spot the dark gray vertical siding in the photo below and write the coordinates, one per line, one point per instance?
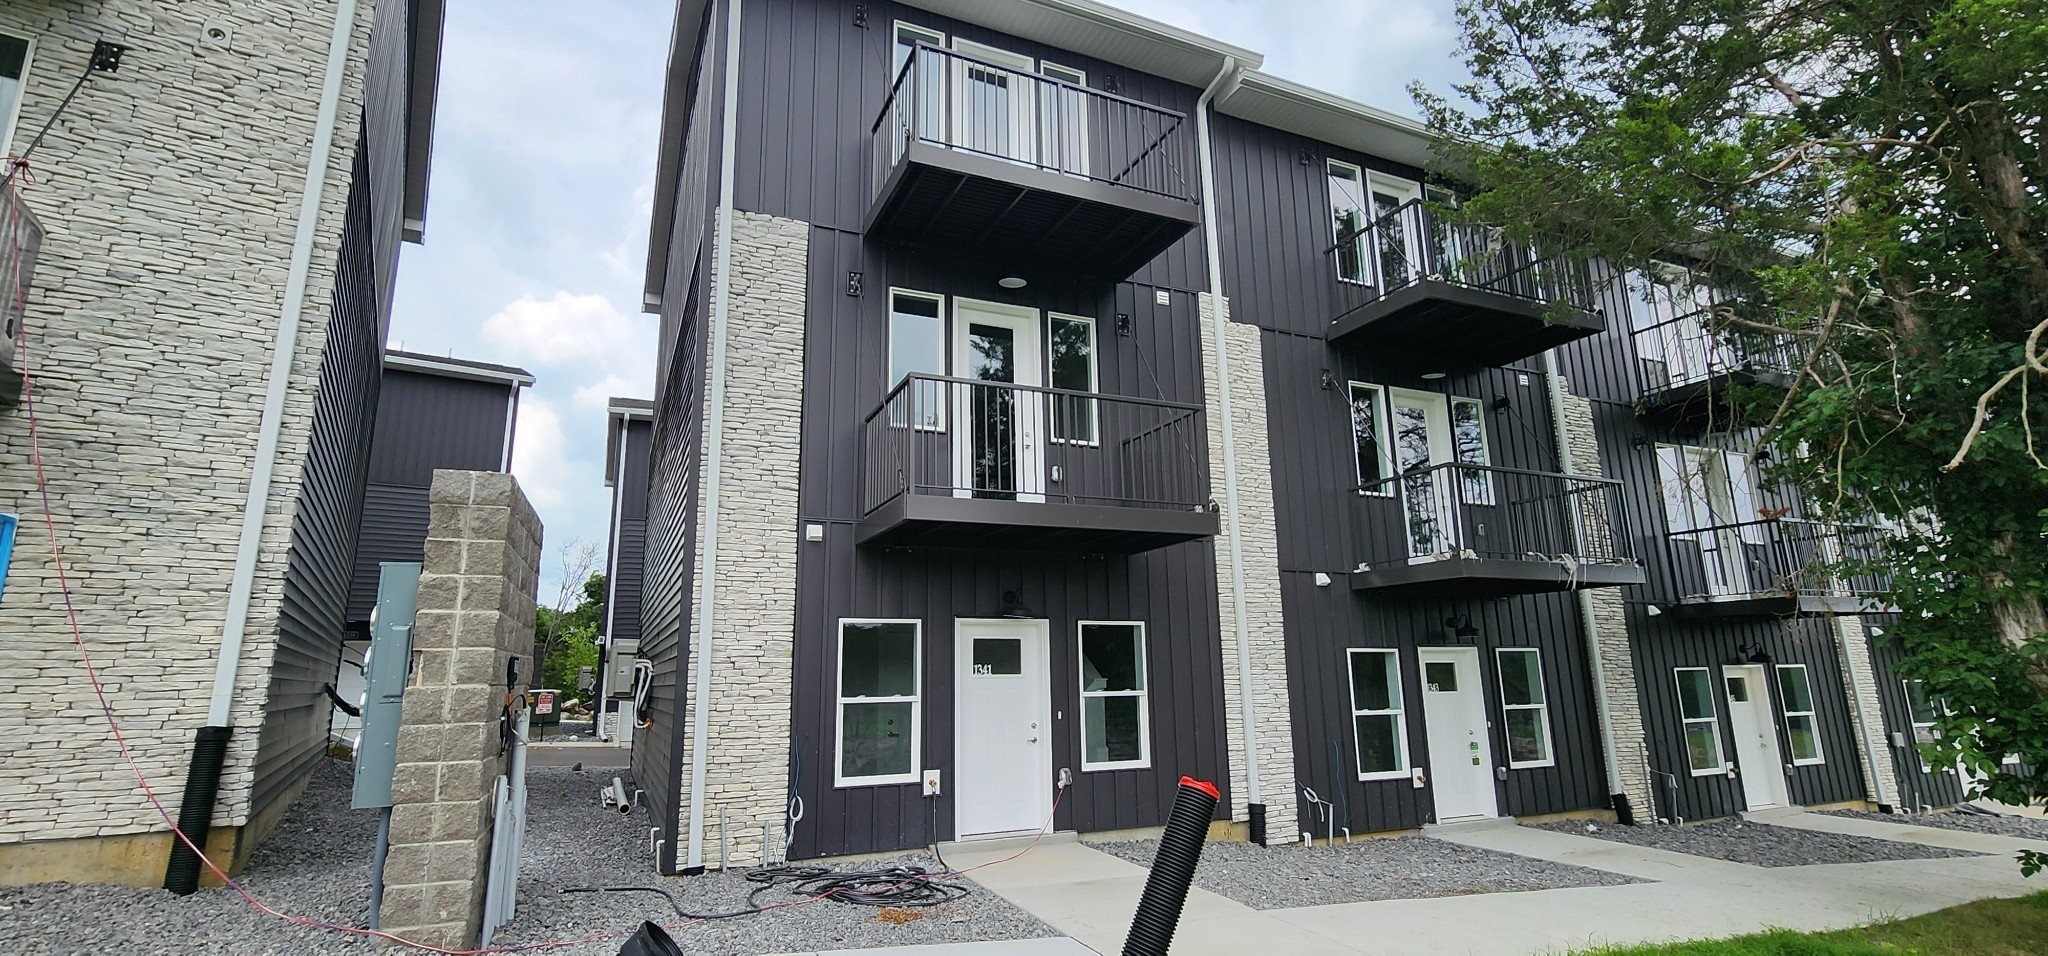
(626, 564)
(387, 102)
(1917, 787)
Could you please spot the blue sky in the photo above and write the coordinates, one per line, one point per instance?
(543, 175)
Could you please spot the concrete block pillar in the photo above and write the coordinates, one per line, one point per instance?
(476, 614)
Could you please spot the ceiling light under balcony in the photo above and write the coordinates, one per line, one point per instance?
(1012, 282)
(1432, 376)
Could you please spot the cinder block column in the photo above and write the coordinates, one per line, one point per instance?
(476, 613)
(753, 618)
(1859, 687)
(1258, 544)
(1608, 638)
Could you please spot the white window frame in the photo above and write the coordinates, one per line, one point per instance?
(1364, 207)
(1713, 719)
(839, 701)
(1094, 378)
(1484, 492)
(1380, 427)
(1913, 725)
(1811, 714)
(11, 121)
(1143, 694)
(934, 37)
(891, 380)
(1399, 712)
(1542, 707)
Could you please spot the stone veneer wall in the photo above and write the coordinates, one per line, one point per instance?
(1259, 544)
(1866, 711)
(476, 613)
(169, 193)
(1610, 627)
(754, 594)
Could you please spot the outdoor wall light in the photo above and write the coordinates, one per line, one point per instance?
(1329, 381)
(1461, 627)
(1502, 404)
(1013, 605)
(1752, 654)
(1012, 282)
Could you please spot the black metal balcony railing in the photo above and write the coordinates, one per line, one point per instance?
(1782, 557)
(1688, 350)
(964, 438)
(21, 239)
(1484, 512)
(1413, 243)
(958, 102)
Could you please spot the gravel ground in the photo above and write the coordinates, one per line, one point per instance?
(568, 730)
(1757, 844)
(1383, 868)
(1996, 824)
(316, 864)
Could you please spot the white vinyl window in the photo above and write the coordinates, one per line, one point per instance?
(1468, 438)
(1348, 220)
(1073, 370)
(917, 345)
(1368, 423)
(1525, 708)
(1378, 723)
(1702, 721)
(908, 36)
(14, 56)
(1802, 728)
(1922, 711)
(1116, 724)
(879, 713)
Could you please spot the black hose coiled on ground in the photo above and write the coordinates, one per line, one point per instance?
(899, 886)
(1173, 868)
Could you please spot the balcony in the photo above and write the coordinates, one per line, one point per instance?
(1696, 378)
(974, 157)
(1457, 295)
(1774, 568)
(1477, 531)
(21, 239)
(963, 463)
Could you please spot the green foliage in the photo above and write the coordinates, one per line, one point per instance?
(1984, 928)
(1868, 176)
(566, 641)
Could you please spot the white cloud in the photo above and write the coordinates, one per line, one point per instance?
(537, 455)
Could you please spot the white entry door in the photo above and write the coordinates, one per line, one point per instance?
(1756, 737)
(995, 102)
(1422, 439)
(1454, 717)
(1003, 748)
(998, 448)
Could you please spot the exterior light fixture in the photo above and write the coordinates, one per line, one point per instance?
(1329, 381)
(1432, 376)
(1012, 282)
(1013, 606)
(1751, 654)
(1461, 627)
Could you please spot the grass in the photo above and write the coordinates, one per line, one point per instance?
(2015, 927)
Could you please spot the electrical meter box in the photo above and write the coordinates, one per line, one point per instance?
(618, 668)
(387, 668)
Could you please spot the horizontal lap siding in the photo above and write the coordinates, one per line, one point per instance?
(394, 528)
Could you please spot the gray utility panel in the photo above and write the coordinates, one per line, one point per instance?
(385, 669)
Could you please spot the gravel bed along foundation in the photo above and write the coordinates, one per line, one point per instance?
(1757, 844)
(1996, 824)
(317, 864)
(1382, 868)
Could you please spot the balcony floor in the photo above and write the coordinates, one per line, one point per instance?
(1695, 405)
(1491, 577)
(938, 521)
(1770, 604)
(963, 202)
(1461, 326)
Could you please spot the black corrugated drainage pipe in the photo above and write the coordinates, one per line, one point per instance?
(1258, 823)
(650, 941)
(195, 813)
(1166, 890)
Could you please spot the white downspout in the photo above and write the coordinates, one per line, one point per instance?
(1221, 323)
(611, 578)
(284, 350)
(721, 304)
(1567, 463)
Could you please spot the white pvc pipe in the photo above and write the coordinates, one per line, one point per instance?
(721, 305)
(284, 350)
(1220, 323)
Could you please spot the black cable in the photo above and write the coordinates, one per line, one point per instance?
(900, 886)
(666, 893)
(101, 52)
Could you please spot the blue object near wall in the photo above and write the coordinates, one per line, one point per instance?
(7, 525)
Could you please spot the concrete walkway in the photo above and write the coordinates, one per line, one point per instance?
(1090, 896)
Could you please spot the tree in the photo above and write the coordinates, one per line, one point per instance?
(1869, 175)
(565, 637)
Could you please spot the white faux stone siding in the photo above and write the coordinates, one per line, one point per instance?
(170, 193)
(1616, 655)
(1259, 544)
(1880, 776)
(747, 768)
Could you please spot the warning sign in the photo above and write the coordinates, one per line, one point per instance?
(543, 702)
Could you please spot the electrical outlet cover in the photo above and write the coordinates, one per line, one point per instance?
(931, 783)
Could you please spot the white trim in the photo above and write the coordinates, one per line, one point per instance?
(1007, 59)
(925, 34)
(1811, 713)
(1486, 495)
(456, 370)
(915, 700)
(1712, 719)
(1143, 694)
(891, 379)
(1094, 378)
(1364, 208)
(1541, 706)
(13, 118)
(1380, 426)
(511, 428)
(1065, 74)
(1399, 712)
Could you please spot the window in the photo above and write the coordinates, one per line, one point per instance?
(1922, 712)
(1468, 438)
(1063, 119)
(917, 345)
(13, 71)
(1524, 707)
(908, 36)
(1115, 723)
(1376, 717)
(1373, 470)
(1801, 727)
(1347, 213)
(879, 677)
(1073, 370)
(1702, 721)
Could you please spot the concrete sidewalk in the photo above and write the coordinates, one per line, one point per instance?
(1090, 896)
